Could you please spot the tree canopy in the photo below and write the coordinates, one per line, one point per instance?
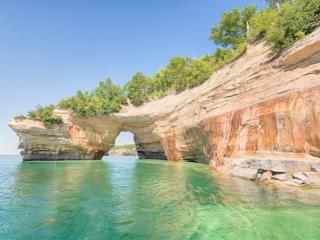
(233, 27)
(137, 89)
(282, 23)
(46, 115)
(288, 23)
(105, 99)
(277, 3)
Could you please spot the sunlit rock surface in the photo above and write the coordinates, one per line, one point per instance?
(256, 118)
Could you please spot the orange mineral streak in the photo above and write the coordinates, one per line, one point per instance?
(73, 132)
(170, 147)
(253, 108)
(288, 124)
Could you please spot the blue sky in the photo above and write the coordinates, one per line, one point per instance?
(50, 49)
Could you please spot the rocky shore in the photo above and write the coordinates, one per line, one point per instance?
(258, 118)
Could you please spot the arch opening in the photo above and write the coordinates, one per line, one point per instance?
(124, 145)
(140, 142)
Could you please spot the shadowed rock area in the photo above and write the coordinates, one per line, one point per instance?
(257, 118)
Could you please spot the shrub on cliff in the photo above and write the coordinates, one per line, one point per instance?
(287, 23)
(198, 72)
(276, 3)
(107, 98)
(45, 114)
(179, 74)
(83, 104)
(140, 87)
(282, 23)
(296, 19)
(262, 21)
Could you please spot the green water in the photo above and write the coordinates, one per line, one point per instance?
(124, 198)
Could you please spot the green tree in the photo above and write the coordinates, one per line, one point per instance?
(176, 72)
(277, 3)
(222, 56)
(246, 16)
(228, 32)
(199, 71)
(233, 27)
(295, 20)
(83, 104)
(107, 98)
(281, 27)
(137, 89)
(160, 83)
(262, 21)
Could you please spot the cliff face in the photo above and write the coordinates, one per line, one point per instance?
(256, 118)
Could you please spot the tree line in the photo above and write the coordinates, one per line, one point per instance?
(282, 23)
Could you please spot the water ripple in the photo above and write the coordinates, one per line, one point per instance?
(121, 198)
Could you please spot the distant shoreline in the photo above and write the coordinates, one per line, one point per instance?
(123, 150)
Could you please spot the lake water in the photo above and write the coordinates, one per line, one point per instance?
(125, 198)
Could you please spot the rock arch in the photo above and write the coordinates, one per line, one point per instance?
(84, 138)
(254, 116)
(148, 145)
(252, 107)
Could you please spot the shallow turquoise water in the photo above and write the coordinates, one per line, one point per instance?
(124, 198)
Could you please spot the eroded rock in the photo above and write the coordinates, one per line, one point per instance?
(263, 113)
(265, 176)
(300, 176)
(297, 181)
(313, 178)
(247, 173)
(282, 176)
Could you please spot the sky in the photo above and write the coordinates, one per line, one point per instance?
(51, 49)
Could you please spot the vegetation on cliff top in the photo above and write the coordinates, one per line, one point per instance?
(282, 23)
(288, 22)
(46, 115)
(105, 99)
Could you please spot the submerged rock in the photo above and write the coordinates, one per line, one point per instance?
(300, 176)
(244, 173)
(265, 176)
(313, 178)
(282, 177)
(296, 181)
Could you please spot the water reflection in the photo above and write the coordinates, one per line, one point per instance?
(122, 198)
(160, 201)
(49, 197)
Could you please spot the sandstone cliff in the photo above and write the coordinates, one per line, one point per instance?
(257, 118)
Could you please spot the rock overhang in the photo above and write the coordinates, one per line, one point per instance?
(250, 107)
